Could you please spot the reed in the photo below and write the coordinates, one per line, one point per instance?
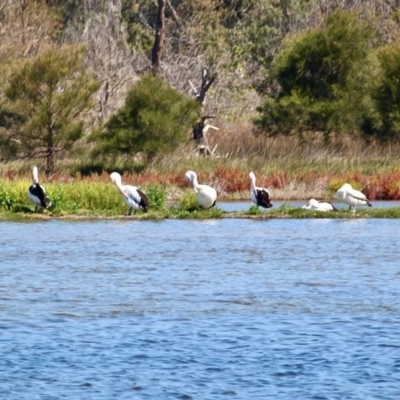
(98, 197)
(291, 168)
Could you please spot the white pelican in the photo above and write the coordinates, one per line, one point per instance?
(319, 206)
(259, 196)
(206, 195)
(37, 193)
(133, 197)
(352, 197)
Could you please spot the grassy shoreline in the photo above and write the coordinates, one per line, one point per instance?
(98, 198)
(282, 212)
(288, 169)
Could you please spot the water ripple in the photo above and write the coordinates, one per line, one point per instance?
(291, 309)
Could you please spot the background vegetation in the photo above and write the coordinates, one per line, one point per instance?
(307, 93)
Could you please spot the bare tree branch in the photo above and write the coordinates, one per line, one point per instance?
(159, 37)
(113, 61)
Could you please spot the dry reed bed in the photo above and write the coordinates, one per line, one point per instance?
(292, 169)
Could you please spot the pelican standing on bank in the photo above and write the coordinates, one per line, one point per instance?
(206, 195)
(258, 195)
(37, 193)
(134, 198)
(319, 206)
(352, 197)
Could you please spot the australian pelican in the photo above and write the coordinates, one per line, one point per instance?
(319, 206)
(352, 197)
(259, 196)
(206, 195)
(133, 197)
(37, 193)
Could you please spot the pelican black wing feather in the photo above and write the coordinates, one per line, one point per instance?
(144, 201)
(333, 207)
(38, 191)
(361, 199)
(263, 198)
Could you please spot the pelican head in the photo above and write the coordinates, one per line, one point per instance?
(35, 175)
(252, 181)
(311, 203)
(116, 178)
(191, 176)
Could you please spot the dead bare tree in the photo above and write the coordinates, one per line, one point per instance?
(202, 127)
(26, 28)
(109, 55)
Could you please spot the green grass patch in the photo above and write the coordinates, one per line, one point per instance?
(95, 199)
(286, 211)
(101, 199)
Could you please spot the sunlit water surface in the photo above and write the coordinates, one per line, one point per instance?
(225, 309)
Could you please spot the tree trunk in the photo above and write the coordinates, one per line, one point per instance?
(50, 154)
(24, 5)
(50, 163)
(285, 26)
(159, 38)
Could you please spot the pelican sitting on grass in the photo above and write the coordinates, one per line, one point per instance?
(319, 206)
(258, 195)
(352, 197)
(37, 193)
(206, 195)
(133, 197)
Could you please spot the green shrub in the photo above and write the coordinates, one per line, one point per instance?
(6, 201)
(157, 197)
(188, 202)
(154, 119)
(61, 200)
(254, 210)
(321, 75)
(384, 120)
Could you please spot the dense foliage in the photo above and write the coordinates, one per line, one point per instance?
(383, 120)
(155, 119)
(310, 65)
(48, 94)
(321, 75)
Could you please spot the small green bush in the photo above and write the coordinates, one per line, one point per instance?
(61, 200)
(254, 210)
(188, 202)
(157, 197)
(6, 201)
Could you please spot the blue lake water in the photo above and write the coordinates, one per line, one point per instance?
(224, 309)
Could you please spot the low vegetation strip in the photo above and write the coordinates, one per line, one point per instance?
(110, 206)
(174, 213)
(96, 197)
